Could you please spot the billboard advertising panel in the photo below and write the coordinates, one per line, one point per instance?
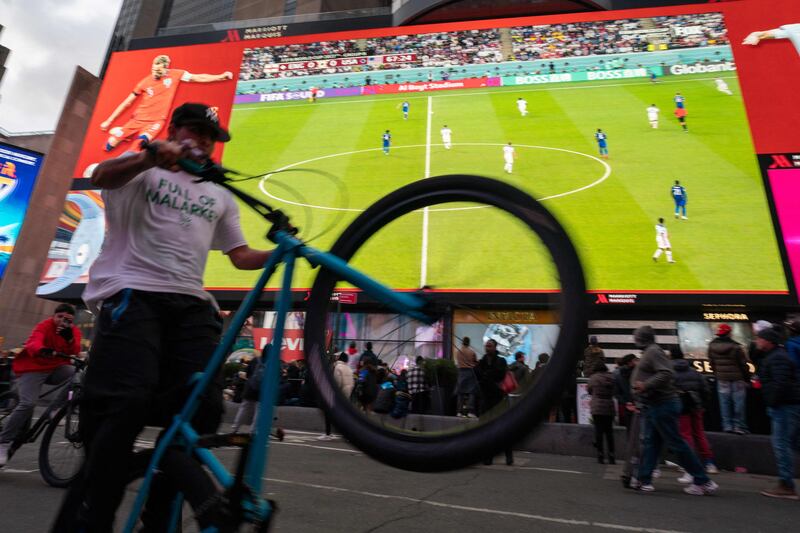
(18, 171)
(545, 84)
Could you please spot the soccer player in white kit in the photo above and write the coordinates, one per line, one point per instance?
(652, 115)
(787, 31)
(662, 242)
(509, 154)
(522, 105)
(722, 86)
(446, 136)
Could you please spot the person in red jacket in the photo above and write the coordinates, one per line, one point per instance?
(37, 364)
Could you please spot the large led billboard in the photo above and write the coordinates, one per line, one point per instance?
(18, 171)
(606, 113)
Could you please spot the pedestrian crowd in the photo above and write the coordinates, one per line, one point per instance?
(661, 399)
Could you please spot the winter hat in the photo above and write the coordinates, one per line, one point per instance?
(794, 326)
(723, 330)
(644, 336)
(769, 334)
(762, 325)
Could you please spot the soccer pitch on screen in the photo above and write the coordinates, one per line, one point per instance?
(609, 207)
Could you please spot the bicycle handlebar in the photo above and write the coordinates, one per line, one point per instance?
(49, 352)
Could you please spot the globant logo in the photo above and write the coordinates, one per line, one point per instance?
(699, 68)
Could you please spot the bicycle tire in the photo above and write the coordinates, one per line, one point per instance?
(50, 475)
(428, 453)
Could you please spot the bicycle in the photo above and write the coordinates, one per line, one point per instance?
(59, 459)
(222, 500)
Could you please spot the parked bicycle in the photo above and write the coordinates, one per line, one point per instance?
(61, 448)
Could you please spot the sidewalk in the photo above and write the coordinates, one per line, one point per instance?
(745, 453)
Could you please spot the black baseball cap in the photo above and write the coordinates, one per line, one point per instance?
(200, 114)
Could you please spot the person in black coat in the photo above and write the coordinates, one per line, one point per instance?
(780, 380)
(693, 392)
(491, 371)
(622, 389)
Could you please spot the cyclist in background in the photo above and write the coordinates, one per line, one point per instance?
(38, 364)
(156, 326)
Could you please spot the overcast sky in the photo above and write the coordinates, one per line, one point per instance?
(47, 39)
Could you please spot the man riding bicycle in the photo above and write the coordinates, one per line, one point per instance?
(38, 364)
(156, 326)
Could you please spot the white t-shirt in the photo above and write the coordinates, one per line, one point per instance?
(508, 153)
(662, 237)
(721, 84)
(652, 113)
(159, 229)
(522, 104)
(446, 132)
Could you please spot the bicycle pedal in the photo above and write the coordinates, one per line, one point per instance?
(219, 440)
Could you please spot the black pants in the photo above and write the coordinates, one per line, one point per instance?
(604, 427)
(419, 402)
(146, 348)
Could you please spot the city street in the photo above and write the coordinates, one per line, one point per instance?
(330, 486)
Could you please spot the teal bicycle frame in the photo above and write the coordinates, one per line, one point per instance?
(181, 433)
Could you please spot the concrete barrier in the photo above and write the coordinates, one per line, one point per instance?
(750, 452)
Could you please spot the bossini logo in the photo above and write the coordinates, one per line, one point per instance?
(699, 68)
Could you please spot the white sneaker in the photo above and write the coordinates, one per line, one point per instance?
(702, 490)
(635, 484)
(657, 473)
(326, 437)
(671, 261)
(686, 478)
(711, 468)
(4, 447)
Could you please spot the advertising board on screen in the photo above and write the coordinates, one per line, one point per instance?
(18, 171)
(684, 96)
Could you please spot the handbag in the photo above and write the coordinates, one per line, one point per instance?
(509, 383)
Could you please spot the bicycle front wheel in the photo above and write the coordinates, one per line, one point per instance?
(482, 246)
(61, 452)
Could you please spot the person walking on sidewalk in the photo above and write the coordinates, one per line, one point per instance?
(780, 381)
(491, 371)
(693, 393)
(601, 387)
(729, 363)
(654, 385)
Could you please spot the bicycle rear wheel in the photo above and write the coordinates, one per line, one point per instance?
(543, 278)
(61, 452)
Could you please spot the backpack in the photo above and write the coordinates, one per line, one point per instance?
(691, 401)
(258, 376)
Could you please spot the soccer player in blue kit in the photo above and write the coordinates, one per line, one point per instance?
(679, 101)
(406, 106)
(602, 143)
(680, 199)
(387, 141)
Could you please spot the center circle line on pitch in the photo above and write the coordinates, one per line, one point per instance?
(262, 182)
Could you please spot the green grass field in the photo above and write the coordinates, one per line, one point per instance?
(727, 244)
